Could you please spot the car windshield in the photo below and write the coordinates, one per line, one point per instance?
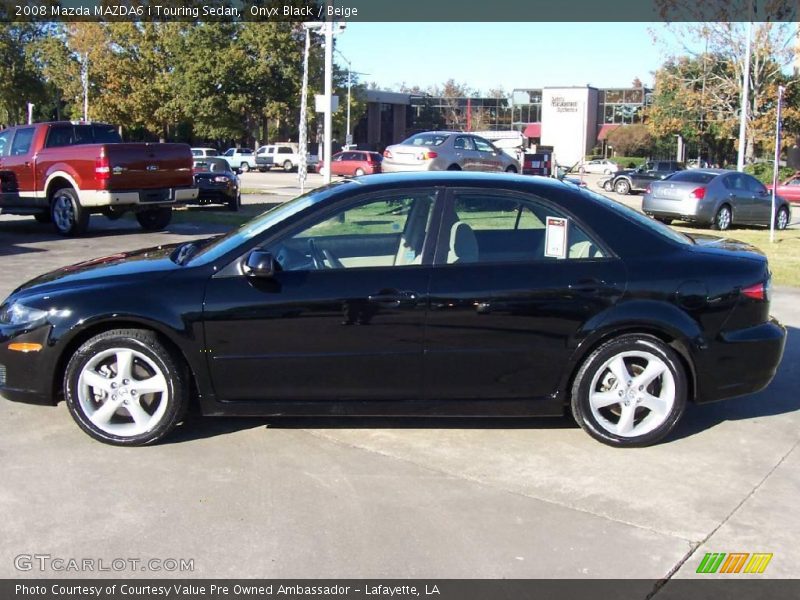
(258, 225)
(637, 217)
(693, 176)
(212, 164)
(426, 139)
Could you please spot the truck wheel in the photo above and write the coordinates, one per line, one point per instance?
(69, 217)
(622, 187)
(244, 167)
(288, 166)
(154, 219)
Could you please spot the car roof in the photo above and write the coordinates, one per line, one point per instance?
(459, 178)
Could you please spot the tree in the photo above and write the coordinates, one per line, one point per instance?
(631, 140)
(20, 79)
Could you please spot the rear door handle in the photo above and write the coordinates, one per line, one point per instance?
(392, 298)
(588, 286)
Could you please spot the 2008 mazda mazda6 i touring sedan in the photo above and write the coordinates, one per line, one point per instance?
(422, 294)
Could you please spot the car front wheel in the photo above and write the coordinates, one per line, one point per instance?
(622, 187)
(244, 167)
(123, 387)
(68, 216)
(782, 218)
(723, 218)
(630, 392)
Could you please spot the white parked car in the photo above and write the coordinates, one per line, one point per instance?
(204, 152)
(285, 156)
(602, 166)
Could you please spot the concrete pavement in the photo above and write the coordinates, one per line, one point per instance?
(399, 498)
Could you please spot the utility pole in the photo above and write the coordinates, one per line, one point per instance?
(776, 165)
(85, 86)
(328, 120)
(745, 99)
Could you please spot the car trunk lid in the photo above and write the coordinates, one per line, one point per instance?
(147, 166)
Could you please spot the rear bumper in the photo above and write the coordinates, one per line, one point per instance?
(99, 198)
(387, 166)
(740, 362)
(691, 210)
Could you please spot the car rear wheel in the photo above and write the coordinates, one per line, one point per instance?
(723, 218)
(630, 392)
(664, 220)
(154, 219)
(782, 218)
(234, 204)
(608, 185)
(244, 167)
(123, 387)
(68, 216)
(359, 172)
(511, 169)
(288, 166)
(622, 187)
(453, 168)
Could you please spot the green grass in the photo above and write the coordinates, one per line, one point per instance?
(783, 254)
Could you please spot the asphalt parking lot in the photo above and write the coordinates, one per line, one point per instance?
(399, 498)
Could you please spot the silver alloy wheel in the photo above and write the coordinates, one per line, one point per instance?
(123, 392)
(724, 218)
(63, 212)
(359, 172)
(637, 389)
(783, 219)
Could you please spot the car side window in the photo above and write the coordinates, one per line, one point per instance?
(4, 137)
(795, 181)
(483, 145)
(734, 182)
(21, 144)
(484, 226)
(754, 185)
(284, 150)
(463, 143)
(59, 136)
(389, 229)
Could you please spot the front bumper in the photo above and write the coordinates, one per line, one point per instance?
(26, 376)
(740, 362)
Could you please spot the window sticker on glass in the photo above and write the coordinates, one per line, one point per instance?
(555, 244)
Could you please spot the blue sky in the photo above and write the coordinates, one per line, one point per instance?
(490, 55)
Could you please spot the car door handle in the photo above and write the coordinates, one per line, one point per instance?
(588, 286)
(392, 298)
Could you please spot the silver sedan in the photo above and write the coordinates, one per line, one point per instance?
(715, 197)
(446, 151)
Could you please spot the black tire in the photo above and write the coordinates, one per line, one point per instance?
(782, 218)
(234, 204)
(511, 169)
(664, 220)
(608, 186)
(43, 218)
(594, 371)
(148, 356)
(453, 167)
(244, 167)
(69, 218)
(581, 170)
(154, 219)
(622, 186)
(723, 219)
(288, 166)
(358, 172)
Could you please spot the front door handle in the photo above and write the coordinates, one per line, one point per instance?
(392, 298)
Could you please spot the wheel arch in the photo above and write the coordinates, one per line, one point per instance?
(102, 325)
(57, 181)
(679, 337)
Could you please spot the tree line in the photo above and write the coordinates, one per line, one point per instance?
(212, 82)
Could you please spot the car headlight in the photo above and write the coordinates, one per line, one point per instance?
(19, 314)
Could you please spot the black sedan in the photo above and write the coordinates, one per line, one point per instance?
(217, 183)
(426, 294)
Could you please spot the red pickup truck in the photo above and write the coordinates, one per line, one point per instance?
(62, 172)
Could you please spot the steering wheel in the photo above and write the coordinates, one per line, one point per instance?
(317, 257)
(334, 262)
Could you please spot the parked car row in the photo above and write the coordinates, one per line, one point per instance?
(636, 180)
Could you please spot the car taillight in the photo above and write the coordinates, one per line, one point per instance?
(102, 169)
(427, 155)
(647, 190)
(756, 291)
(387, 154)
(698, 193)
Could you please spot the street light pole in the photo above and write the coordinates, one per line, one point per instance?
(745, 100)
(328, 102)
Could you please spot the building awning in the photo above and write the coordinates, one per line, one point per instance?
(605, 130)
(533, 130)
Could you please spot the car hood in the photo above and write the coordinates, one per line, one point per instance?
(147, 260)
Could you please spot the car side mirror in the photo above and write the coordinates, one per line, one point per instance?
(261, 264)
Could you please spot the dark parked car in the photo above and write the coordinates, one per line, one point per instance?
(637, 180)
(355, 163)
(217, 183)
(428, 294)
(714, 197)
